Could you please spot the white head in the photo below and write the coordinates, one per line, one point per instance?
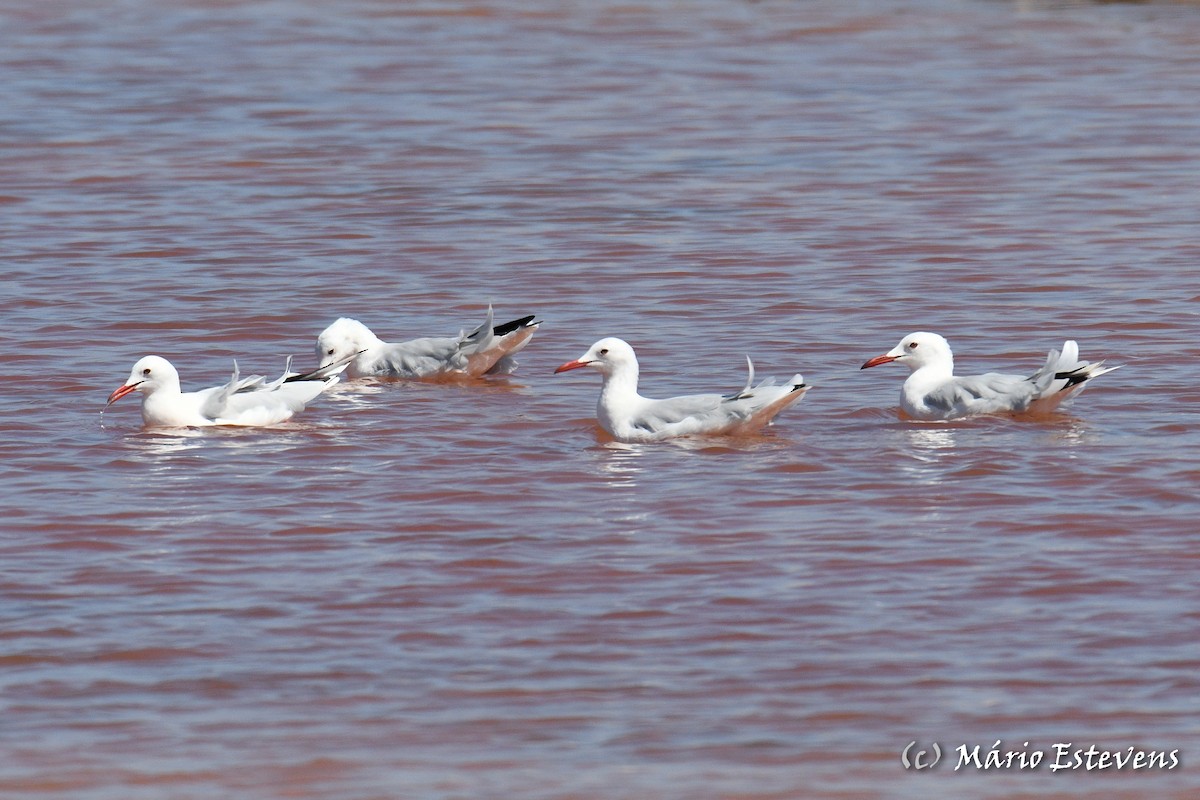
(342, 339)
(606, 356)
(148, 376)
(917, 350)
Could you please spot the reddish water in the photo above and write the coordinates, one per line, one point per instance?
(458, 591)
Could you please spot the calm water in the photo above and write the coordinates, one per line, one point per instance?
(460, 590)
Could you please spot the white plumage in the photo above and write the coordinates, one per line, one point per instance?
(629, 417)
(933, 392)
(250, 401)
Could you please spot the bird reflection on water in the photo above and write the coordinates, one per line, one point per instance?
(929, 444)
(617, 463)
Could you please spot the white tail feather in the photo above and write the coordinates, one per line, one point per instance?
(1065, 373)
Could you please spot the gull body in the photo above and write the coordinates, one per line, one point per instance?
(487, 350)
(250, 401)
(627, 416)
(933, 392)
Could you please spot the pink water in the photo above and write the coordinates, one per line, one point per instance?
(458, 590)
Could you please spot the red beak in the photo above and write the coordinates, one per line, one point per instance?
(121, 392)
(570, 365)
(877, 360)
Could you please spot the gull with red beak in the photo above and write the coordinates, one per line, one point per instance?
(932, 392)
(629, 417)
(248, 401)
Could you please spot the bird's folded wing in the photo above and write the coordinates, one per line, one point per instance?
(982, 394)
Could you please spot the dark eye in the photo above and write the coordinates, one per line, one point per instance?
(330, 352)
(913, 345)
(146, 371)
(604, 352)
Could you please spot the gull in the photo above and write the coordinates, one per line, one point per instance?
(629, 417)
(932, 392)
(250, 401)
(488, 349)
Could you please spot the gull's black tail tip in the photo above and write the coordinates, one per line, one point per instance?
(515, 325)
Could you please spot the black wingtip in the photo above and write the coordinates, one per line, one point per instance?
(515, 325)
(322, 373)
(1073, 378)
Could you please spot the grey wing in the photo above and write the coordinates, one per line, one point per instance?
(482, 336)
(252, 401)
(420, 358)
(216, 399)
(265, 405)
(991, 393)
(679, 415)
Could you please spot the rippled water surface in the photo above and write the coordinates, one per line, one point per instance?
(460, 589)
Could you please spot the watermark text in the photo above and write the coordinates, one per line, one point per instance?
(1058, 757)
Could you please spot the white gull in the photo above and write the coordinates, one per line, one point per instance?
(629, 417)
(932, 392)
(488, 349)
(250, 401)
